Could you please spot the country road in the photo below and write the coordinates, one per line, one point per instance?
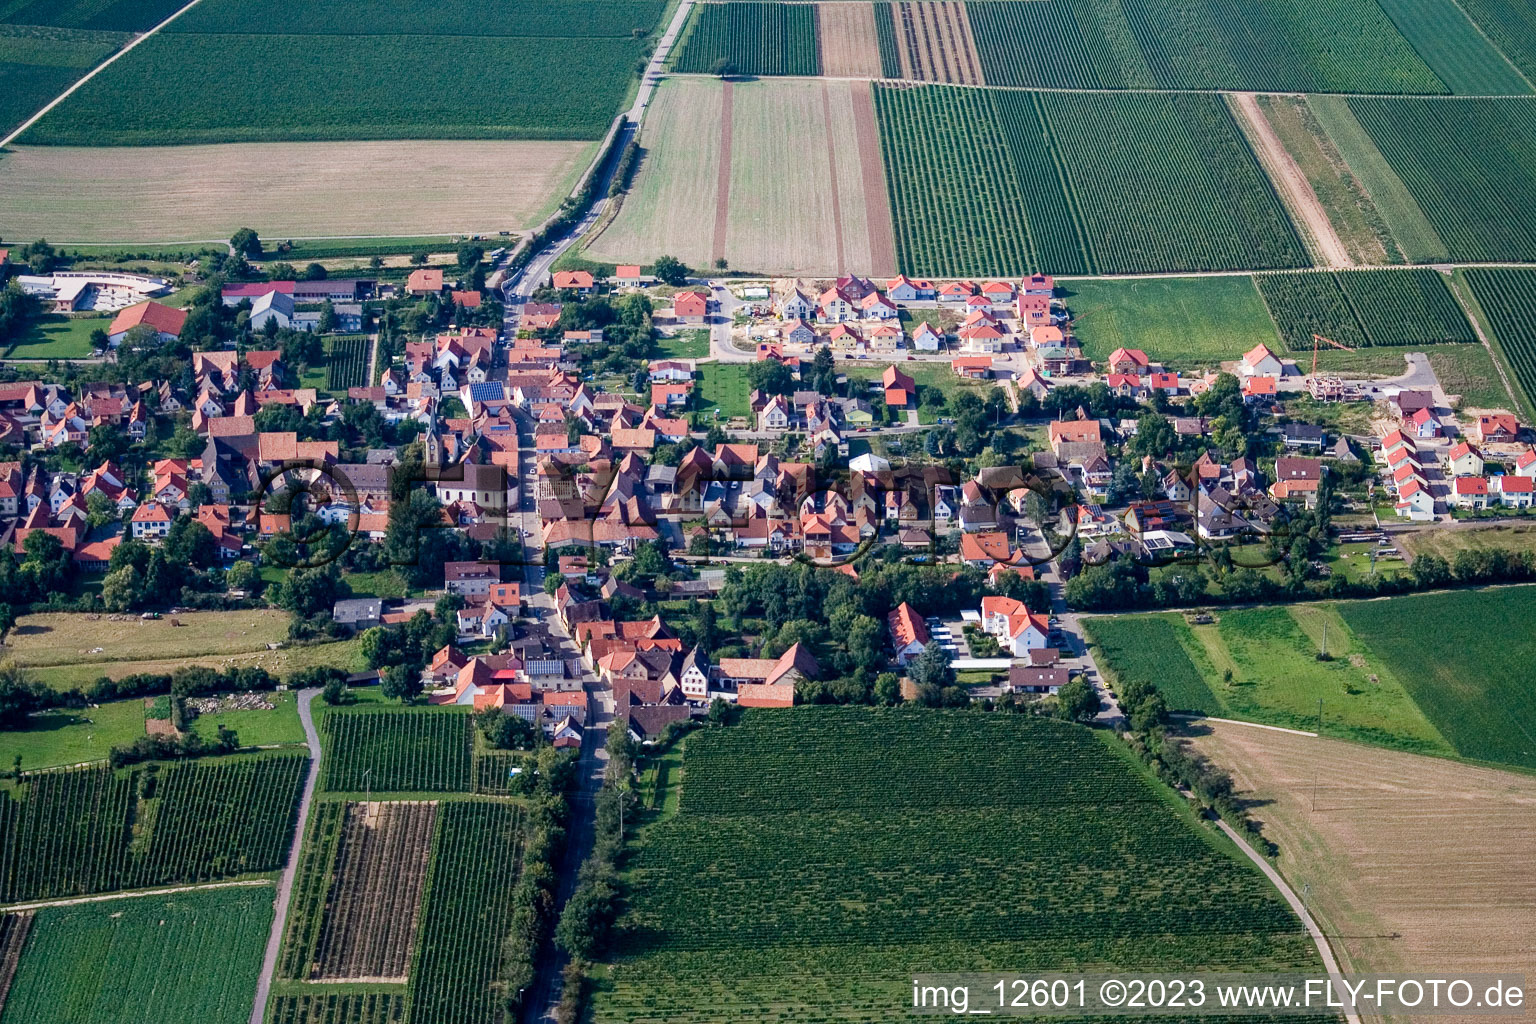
(285, 884)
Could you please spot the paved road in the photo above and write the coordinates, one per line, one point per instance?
(534, 274)
(1072, 628)
(285, 884)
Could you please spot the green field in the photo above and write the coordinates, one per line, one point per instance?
(1450, 43)
(55, 336)
(1009, 842)
(1260, 665)
(1286, 46)
(750, 39)
(346, 362)
(1470, 165)
(1511, 24)
(1507, 298)
(723, 387)
(965, 170)
(396, 750)
(1481, 695)
(259, 727)
(1365, 308)
(1185, 322)
(70, 737)
(332, 71)
(36, 64)
(68, 833)
(682, 345)
(193, 956)
(96, 15)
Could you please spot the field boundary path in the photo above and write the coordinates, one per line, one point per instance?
(285, 883)
(98, 69)
(1290, 181)
(1329, 963)
(242, 883)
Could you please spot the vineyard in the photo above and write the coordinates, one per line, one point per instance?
(36, 64)
(1290, 45)
(746, 38)
(423, 751)
(1365, 308)
(1146, 648)
(193, 956)
(14, 929)
(934, 42)
(98, 15)
(339, 1008)
(1450, 43)
(1006, 840)
(370, 915)
(971, 184)
(346, 362)
(1511, 24)
(311, 884)
(885, 34)
(1469, 164)
(92, 830)
(1507, 298)
(462, 951)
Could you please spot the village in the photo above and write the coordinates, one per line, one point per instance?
(951, 426)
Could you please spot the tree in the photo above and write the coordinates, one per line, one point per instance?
(771, 377)
(932, 668)
(722, 68)
(469, 255)
(240, 576)
(315, 272)
(335, 692)
(888, 688)
(824, 371)
(401, 683)
(1077, 701)
(670, 270)
(246, 242)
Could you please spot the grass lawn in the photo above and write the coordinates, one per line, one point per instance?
(724, 387)
(1480, 690)
(925, 374)
(70, 638)
(69, 737)
(53, 336)
(191, 956)
(1261, 665)
(257, 728)
(385, 583)
(1446, 543)
(683, 345)
(1184, 322)
(1353, 561)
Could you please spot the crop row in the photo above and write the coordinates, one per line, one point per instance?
(99, 15)
(493, 770)
(312, 881)
(1507, 297)
(1469, 164)
(559, 19)
(751, 39)
(462, 952)
(1003, 182)
(397, 752)
(92, 830)
(1365, 308)
(885, 34)
(1146, 648)
(371, 912)
(342, 1008)
(346, 362)
(1069, 44)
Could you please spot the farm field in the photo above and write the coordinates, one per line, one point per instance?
(781, 192)
(259, 726)
(841, 923)
(401, 750)
(1365, 308)
(1245, 45)
(62, 638)
(964, 168)
(346, 362)
(1470, 165)
(70, 737)
(1459, 53)
(1259, 665)
(293, 89)
(1185, 323)
(55, 336)
(849, 39)
(1507, 299)
(1359, 829)
(369, 926)
(1512, 27)
(37, 63)
(94, 15)
(68, 833)
(934, 42)
(1483, 705)
(338, 1008)
(750, 38)
(193, 956)
(285, 189)
(1447, 543)
(345, 654)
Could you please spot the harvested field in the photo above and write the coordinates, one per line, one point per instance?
(796, 197)
(1382, 823)
(850, 46)
(371, 916)
(936, 43)
(187, 193)
(65, 638)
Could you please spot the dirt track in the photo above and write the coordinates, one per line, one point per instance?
(1292, 184)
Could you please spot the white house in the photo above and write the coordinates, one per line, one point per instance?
(909, 634)
(1017, 628)
(272, 306)
(925, 338)
(1259, 361)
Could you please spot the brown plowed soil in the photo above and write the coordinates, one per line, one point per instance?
(375, 898)
(849, 46)
(877, 207)
(723, 182)
(936, 44)
(832, 191)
